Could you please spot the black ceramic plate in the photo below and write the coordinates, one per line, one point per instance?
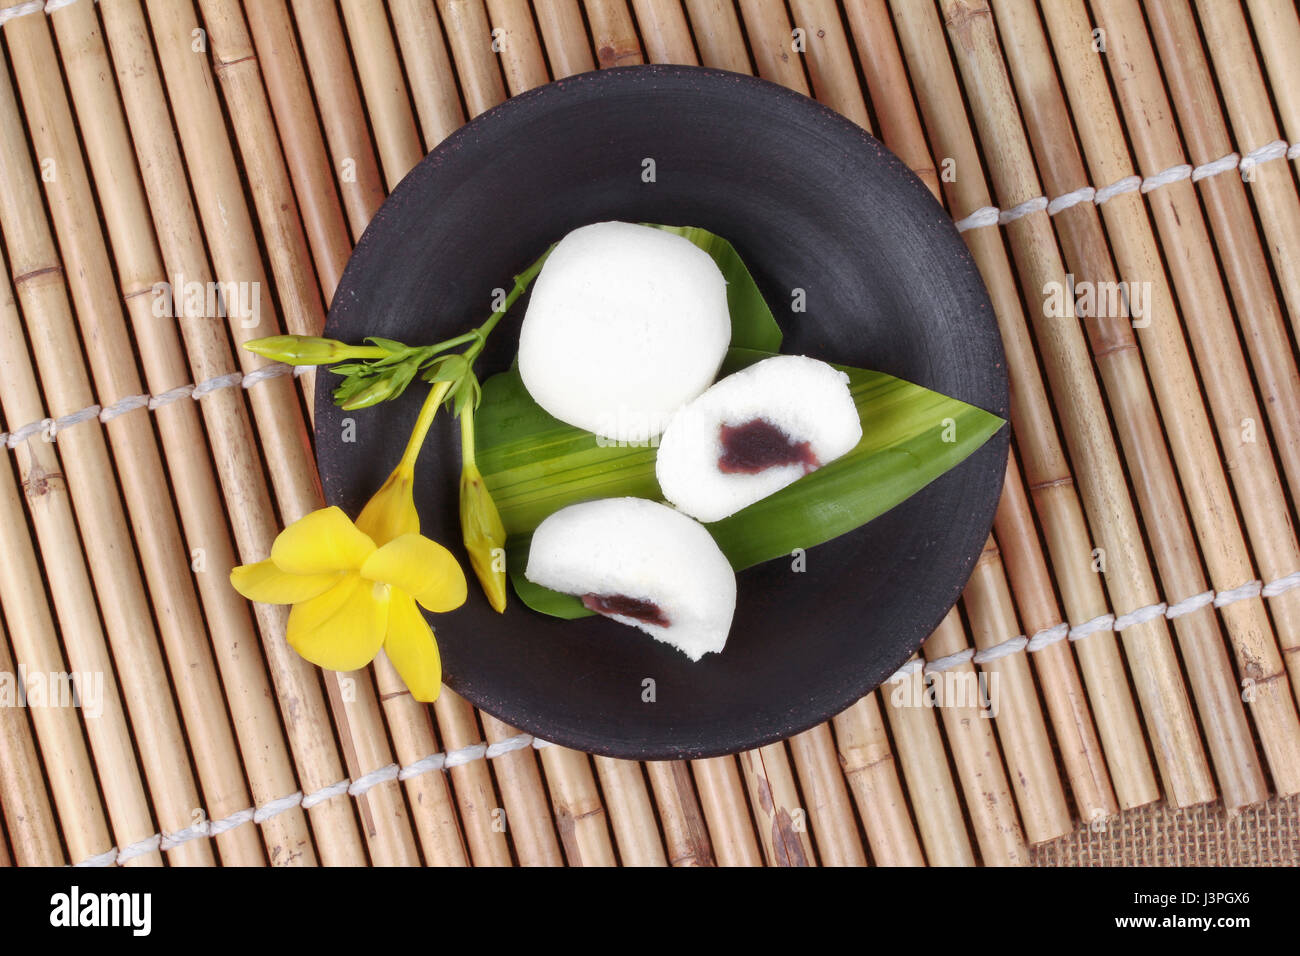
(811, 202)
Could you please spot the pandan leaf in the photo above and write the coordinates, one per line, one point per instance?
(533, 465)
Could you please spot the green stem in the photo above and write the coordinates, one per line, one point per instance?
(430, 408)
(458, 340)
(467, 437)
(362, 352)
(522, 281)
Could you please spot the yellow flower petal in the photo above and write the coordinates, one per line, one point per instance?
(343, 628)
(409, 644)
(320, 542)
(422, 568)
(266, 583)
(391, 512)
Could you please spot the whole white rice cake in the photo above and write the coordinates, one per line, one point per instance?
(625, 324)
(755, 432)
(640, 563)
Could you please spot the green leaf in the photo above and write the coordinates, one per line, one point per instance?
(533, 465)
(391, 345)
(446, 368)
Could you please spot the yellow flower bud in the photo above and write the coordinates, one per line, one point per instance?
(380, 390)
(300, 349)
(485, 536)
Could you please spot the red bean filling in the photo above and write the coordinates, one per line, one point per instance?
(758, 445)
(625, 606)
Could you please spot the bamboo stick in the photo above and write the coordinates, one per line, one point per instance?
(382, 85)
(716, 30)
(248, 506)
(1115, 349)
(39, 281)
(1277, 34)
(428, 68)
(476, 63)
(532, 831)
(579, 814)
(1247, 99)
(868, 762)
(112, 363)
(612, 33)
(930, 786)
(1258, 316)
(782, 823)
(433, 809)
(517, 42)
(355, 166)
(434, 815)
(829, 60)
(383, 811)
(772, 41)
(1026, 745)
(663, 27)
(228, 229)
(631, 815)
(470, 38)
(301, 139)
(139, 270)
(29, 817)
(471, 782)
(889, 89)
(36, 649)
(1241, 253)
(564, 34)
(1150, 652)
(979, 765)
(1228, 384)
(685, 834)
(1076, 736)
(829, 808)
(1051, 484)
(731, 832)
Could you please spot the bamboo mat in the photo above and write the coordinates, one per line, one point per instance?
(1137, 603)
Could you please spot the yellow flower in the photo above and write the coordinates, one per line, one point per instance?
(355, 587)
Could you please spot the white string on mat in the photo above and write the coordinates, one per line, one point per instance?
(1103, 623)
(33, 6)
(991, 215)
(131, 402)
(355, 788)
